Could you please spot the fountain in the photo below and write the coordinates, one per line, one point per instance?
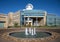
(26, 31)
(29, 31)
(34, 31)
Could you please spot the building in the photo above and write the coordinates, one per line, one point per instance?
(3, 21)
(31, 17)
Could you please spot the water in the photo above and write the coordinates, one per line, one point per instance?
(26, 31)
(30, 31)
(22, 35)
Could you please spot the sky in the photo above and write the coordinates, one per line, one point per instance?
(51, 6)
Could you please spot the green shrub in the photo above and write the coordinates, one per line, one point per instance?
(15, 24)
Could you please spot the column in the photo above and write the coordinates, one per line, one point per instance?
(36, 21)
(45, 18)
(28, 20)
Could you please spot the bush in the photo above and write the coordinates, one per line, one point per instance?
(15, 24)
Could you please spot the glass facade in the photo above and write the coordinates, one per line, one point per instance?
(50, 20)
(57, 21)
(30, 13)
(1, 25)
(53, 20)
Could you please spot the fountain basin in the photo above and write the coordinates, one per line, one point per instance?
(38, 35)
